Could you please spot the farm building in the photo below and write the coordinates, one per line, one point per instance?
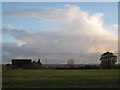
(25, 64)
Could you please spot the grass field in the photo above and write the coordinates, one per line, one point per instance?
(60, 78)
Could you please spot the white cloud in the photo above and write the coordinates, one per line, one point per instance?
(81, 33)
(21, 43)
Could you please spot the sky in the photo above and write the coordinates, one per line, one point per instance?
(59, 31)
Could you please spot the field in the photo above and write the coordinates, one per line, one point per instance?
(60, 78)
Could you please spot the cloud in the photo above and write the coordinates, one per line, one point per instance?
(69, 13)
(21, 43)
(6, 53)
(115, 26)
(53, 58)
(80, 33)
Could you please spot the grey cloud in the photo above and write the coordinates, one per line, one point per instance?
(51, 14)
(5, 30)
(55, 46)
(41, 13)
(80, 34)
(53, 58)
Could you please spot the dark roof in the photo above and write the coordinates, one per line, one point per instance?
(21, 59)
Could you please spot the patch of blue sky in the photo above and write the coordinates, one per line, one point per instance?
(8, 38)
(30, 24)
(8, 6)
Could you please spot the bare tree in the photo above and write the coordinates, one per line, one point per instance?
(70, 63)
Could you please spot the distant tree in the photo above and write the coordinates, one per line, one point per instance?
(8, 66)
(70, 63)
(108, 60)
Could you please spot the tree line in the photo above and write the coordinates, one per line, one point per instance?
(108, 61)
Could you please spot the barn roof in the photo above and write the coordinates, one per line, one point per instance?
(21, 59)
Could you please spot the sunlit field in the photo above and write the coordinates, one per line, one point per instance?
(60, 78)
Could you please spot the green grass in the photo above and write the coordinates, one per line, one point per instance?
(60, 78)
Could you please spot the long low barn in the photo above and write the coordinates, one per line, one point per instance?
(21, 63)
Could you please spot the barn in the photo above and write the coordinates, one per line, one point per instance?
(21, 63)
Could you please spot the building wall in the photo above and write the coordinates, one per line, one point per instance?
(21, 63)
